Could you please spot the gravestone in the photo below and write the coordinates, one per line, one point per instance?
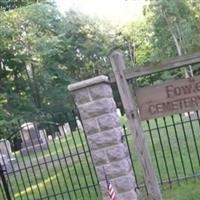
(119, 112)
(56, 135)
(43, 135)
(31, 138)
(50, 137)
(79, 125)
(190, 116)
(64, 130)
(6, 155)
(4, 161)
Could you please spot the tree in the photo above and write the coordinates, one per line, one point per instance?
(41, 53)
(175, 29)
(13, 4)
(136, 36)
(21, 62)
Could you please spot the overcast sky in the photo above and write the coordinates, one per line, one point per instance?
(118, 11)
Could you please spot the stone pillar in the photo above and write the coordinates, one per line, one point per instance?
(97, 108)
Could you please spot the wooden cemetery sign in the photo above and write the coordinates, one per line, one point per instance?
(154, 101)
(172, 97)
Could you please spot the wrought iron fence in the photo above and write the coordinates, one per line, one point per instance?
(173, 141)
(47, 160)
(174, 144)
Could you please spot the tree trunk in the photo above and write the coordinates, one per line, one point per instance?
(187, 70)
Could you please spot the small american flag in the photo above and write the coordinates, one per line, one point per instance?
(111, 191)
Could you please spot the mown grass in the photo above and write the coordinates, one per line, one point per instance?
(185, 191)
(66, 183)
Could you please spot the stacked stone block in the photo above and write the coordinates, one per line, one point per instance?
(97, 108)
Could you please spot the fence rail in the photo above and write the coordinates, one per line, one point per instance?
(51, 161)
(174, 143)
(177, 62)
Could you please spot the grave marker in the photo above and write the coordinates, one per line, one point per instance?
(31, 138)
(6, 155)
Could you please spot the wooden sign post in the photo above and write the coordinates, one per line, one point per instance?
(135, 126)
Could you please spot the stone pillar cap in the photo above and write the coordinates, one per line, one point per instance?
(88, 82)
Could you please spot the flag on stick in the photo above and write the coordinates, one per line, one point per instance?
(111, 191)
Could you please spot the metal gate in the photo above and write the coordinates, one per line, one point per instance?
(47, 159)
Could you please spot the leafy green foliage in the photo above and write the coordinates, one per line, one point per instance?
(41, 53)
(175, 28)
(13, 4)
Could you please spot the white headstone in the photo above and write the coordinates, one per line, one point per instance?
(5, 147)
(31, 138)
(6, 154)
(4, 160)
(61, 131)
(191, 115)
(57, 135)
(43, 135)
(29, 134)
(49, 137)
(79, 125)
(119, 112)
(65, 129)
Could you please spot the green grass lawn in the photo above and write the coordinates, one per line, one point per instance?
(184, 191)
(66, 182)
(66, 169)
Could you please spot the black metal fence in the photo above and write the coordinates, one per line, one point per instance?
(47, 160)
(173, 141)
